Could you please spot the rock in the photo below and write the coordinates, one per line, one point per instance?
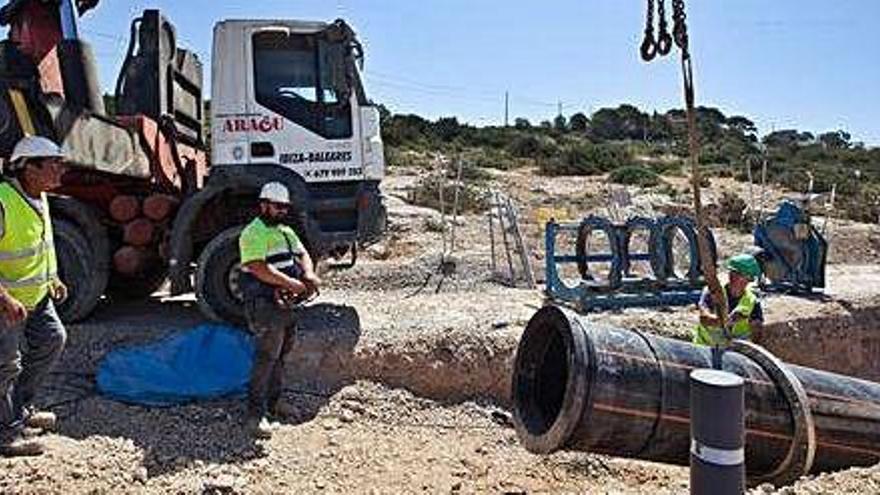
(766, 488)
(355, 406)
(434, 224)
(141, 475)
(221, 484)
(379, 251)
(503, 418)
(346, 416)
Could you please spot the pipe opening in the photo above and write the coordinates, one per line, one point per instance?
(549, 381)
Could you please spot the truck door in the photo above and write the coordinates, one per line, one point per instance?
(300, 83)
(231, 107)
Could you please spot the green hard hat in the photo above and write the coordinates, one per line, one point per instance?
(744, 264)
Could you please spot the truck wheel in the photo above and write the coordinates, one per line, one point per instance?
(78, 269)
(217, 289)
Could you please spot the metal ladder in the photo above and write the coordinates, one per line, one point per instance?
(503, 212)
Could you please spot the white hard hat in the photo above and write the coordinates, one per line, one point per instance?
(35, 147)
(275, 192)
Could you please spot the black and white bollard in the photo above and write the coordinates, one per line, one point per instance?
(717, 433)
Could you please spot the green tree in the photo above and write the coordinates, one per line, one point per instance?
(623, 122)
(836, 140)
(560, 124)
(742, 124)
(405, 129)
(607, 124)
(579, 122)
(522, 123)
(787, 138)
(447, 128)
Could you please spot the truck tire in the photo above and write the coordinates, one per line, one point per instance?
(78, 270)
(216, 274)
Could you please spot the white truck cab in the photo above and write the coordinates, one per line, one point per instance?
(289, 93)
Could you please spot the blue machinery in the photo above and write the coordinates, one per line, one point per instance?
(794, 251)
(793, 256)
(620, 289)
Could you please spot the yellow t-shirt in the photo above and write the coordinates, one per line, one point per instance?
(260, 242)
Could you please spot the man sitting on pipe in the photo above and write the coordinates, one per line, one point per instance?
(746, 315)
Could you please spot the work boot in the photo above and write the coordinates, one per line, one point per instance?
(41, 420)
(20, 446)
(259, 427)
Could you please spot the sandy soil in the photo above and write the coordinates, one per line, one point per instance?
(400, 379)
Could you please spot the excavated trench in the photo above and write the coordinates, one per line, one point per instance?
(458, 365)
(845, 342)
(451, 366)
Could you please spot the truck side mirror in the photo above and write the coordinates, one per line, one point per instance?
(371, 120)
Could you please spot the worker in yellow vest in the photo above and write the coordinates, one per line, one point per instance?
(31, 334)
(277, 274)
(746, 317)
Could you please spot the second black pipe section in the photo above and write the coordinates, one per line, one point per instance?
(587, 387)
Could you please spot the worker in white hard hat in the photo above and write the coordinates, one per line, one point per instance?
(31, 334)
(278, 274)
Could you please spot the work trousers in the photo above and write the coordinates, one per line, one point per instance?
(27, 353)
(273, 328)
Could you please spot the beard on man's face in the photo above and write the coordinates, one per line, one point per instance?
(271, 219)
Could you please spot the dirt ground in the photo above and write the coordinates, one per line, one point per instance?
(400, 379)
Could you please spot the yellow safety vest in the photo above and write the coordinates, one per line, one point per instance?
(742, 329)
(28, 265)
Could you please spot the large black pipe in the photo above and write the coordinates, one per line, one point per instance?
(587, 387)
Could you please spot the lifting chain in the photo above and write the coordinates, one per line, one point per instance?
(650, 48)
(661, 44)
(680, 31)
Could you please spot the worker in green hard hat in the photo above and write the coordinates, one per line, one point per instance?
(746, 317)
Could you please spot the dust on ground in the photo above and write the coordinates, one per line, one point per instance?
(400, 379)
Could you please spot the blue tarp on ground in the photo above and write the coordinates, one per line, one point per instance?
(206, 362)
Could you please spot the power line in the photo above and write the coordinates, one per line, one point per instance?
(514, 98)
(429, 92)
(445, 87)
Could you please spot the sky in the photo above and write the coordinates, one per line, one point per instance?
(806, 64)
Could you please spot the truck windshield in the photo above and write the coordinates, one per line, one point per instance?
(302, 78)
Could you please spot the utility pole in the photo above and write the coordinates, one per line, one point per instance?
(559, 107)
(506, 107)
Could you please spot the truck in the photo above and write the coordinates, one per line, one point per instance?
(154, 193)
